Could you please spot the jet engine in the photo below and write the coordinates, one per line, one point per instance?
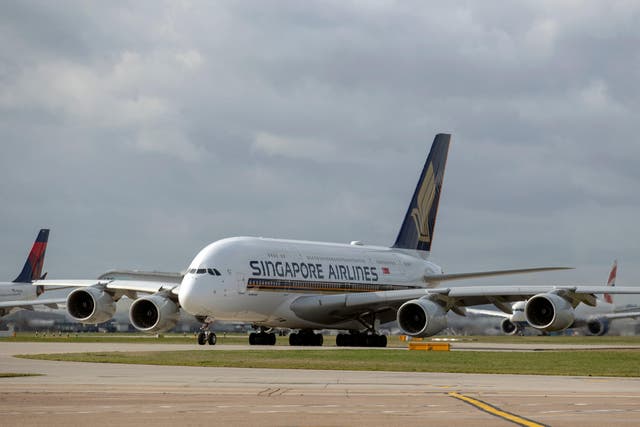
(90, 305)
(549, 312)
(508, 327)
(421, 318)
(598, 326)
(154, 313)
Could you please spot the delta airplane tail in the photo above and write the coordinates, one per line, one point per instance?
(611, 281)
(419, 223)
(32, 269)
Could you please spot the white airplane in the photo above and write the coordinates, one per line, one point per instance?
(21, 293)
(309, 286)
(594, 320)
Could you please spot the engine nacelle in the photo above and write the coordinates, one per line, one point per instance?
(421, 318)
(549, 312)
(90, 305)
(598, 326)
(154, 313)
(508, 327)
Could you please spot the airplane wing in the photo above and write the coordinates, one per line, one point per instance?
(28, 304)
(115, 285)
(148, 276)
(620, 315)
(435, 278)
(338, 308)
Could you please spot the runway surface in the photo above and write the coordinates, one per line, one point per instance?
(73, 394)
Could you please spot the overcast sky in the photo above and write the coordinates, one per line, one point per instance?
(141, 131)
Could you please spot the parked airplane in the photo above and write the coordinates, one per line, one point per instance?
(20, 293)
(595, 320)
(308, 286)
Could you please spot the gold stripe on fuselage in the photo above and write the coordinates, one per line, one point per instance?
(280, 285)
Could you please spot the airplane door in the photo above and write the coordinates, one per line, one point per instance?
(241, 283)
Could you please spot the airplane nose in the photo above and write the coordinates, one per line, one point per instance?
(190, 296)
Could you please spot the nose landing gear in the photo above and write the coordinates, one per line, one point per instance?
(205, 336)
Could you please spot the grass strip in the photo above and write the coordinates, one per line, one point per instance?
(17, 374)
(621, 363)
(329, 340)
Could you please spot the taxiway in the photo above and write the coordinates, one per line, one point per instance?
(72, 394)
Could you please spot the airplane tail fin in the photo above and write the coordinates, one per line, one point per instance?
(32, 269)
(419, 223)
(611, 281)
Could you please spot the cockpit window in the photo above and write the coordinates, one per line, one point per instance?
(211, 271)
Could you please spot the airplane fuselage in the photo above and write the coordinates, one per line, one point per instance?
(15, 291)
(10, 291)
(255, 279)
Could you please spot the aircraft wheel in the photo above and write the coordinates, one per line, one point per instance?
(318, 339)
(294, 339)
(370, 341)
(382, 341)
(202, 338)
(212, 339)
(252, 338)
(348, 340)
(272, 339)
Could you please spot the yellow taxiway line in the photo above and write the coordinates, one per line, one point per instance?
(496, 411)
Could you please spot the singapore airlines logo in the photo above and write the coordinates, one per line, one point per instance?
(420, 213)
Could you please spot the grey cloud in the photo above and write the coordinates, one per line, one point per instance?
(142, 131)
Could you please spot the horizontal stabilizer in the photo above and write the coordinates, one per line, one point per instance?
(490, 313)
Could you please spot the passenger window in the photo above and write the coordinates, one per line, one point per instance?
(201, 270)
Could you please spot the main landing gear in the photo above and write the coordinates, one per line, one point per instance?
(368, 338)
(306, 337)
(262, 338)
(361, 339)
